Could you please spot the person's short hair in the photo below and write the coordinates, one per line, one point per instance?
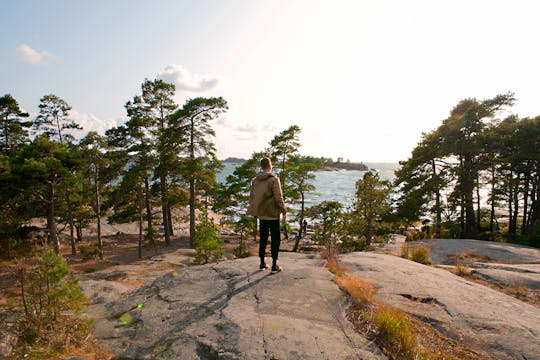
(266, 163)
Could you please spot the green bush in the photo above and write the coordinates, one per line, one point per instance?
(349, 243)
(89, 251)
(207, 242)
(421, 255)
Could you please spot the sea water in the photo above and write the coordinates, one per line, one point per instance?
(333, 185)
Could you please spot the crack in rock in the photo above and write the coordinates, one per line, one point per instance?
(428, 300)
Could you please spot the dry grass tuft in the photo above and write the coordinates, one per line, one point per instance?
(335, 267)
(361, 291)
(405, 250)
(421, 255)
(520, 291)
(462, 269)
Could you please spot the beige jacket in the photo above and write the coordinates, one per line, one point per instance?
(265, 197)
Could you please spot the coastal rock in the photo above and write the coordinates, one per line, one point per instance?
(478, 316)
(231, 310)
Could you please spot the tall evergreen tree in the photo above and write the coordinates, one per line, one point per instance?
(54, 122)
(372, 202)
(300, 174)
(135, 141)
(14, 131)
(192, 122)
(40, 168)
(53, 119)
(157, 96)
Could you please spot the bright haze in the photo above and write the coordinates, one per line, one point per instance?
(363, 79)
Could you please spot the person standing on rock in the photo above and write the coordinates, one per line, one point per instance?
(266, 203)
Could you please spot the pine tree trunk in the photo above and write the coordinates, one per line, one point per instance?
(78, 231)
(71, 225)
(169, 218)
(492, 214)
(437, 201)
(516, 206)
(148, 211)
(141, 220)
(462, 216)
(301, 223)
(525, 202)
(468, 188)
(478, 209)
(51, 222)
(164, 209)
(98, 210)
(510, 207)
(192, 213)
(369, 232)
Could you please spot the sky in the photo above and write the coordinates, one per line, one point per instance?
(363, 79)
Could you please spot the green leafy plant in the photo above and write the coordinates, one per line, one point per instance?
(207, 241)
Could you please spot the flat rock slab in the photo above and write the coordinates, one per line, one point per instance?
(441, 249)
(231, 310)
(527, 275)
(482, 318)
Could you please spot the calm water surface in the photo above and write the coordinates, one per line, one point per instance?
(332, 185)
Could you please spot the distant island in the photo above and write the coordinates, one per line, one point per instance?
(322, 163)
(233, 160)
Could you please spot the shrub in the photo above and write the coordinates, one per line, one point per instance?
(207, 242)
(349, 244)
(421, 255)
(414, 235)
(405, 250)
(46, 294)
(241, 252)
(89, 251)
(395, 332)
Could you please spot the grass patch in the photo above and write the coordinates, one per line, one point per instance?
(395, 333)
(421, 255)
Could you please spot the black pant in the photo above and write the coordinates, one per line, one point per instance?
(266, 226)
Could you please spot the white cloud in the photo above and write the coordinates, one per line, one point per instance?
(247, 128)
(185, 80)
(31, 56)
(90, 122)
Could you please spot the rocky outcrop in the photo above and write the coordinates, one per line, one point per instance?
(480, 317)
(231, 310)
